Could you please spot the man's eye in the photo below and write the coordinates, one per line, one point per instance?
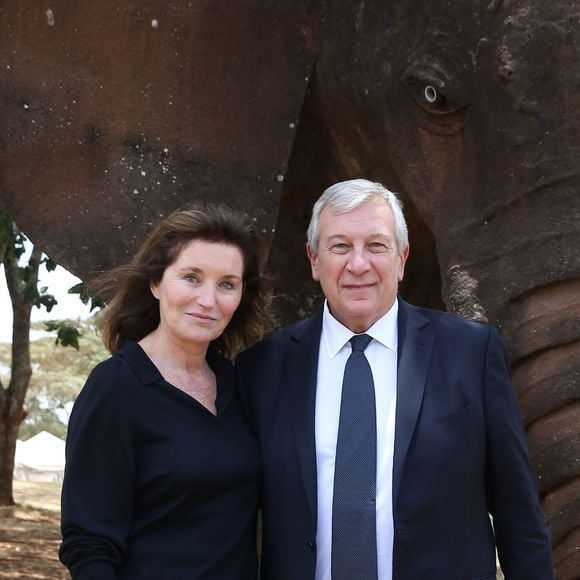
(377, 247)
(340, 248)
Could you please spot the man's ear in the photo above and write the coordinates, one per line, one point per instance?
(402, 261)
(313, 257)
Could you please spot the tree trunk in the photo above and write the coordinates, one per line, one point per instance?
(12, 410)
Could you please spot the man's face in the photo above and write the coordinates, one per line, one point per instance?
(357, 263)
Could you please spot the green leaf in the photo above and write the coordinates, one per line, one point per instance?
(48, 301)
(81, 290)
(66, 333)
(51, 325)
(49, 264)
(85, 295)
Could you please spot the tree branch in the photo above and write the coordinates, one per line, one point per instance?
(21, 308)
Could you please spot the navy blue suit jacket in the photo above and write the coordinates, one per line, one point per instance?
(460, 453)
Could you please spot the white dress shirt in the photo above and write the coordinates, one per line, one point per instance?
(382, 356)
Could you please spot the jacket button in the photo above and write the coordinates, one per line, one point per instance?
(312, 546)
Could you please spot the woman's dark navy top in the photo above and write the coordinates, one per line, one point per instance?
(155, 485)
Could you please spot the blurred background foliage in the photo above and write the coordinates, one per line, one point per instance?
(58, 375)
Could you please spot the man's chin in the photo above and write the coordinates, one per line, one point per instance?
(358, 319)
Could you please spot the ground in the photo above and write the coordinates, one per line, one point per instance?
(29, 533)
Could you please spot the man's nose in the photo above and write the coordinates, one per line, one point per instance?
(358, 262)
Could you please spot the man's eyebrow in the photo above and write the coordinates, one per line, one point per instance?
(371, 235)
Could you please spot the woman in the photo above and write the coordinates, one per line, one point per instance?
(162, 476)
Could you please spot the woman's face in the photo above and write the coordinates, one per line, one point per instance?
(199, 293)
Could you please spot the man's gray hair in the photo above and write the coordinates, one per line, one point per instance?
(347, 195)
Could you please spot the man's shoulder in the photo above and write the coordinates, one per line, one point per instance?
(440, 320)
(279, 339)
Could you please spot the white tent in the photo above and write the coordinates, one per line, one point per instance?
(40, 458)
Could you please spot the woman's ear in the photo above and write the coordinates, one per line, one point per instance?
(154, 287)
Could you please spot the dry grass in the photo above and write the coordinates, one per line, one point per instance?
(43, 496)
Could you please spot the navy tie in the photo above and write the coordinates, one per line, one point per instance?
(354, 533)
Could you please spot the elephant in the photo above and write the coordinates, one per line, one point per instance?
(115, 115)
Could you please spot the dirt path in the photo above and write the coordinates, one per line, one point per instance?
(30, 534)
(29, 540)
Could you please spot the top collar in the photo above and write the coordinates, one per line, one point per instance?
(335, 335)
(149, 374)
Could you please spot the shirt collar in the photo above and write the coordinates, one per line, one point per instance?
(336, 335)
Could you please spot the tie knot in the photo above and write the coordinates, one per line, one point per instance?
(360, 342)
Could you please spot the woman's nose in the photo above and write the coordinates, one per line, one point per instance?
(206, 296)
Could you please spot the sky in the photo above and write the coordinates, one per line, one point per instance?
(58, 282)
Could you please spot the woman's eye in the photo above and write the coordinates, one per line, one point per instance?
(231, 285)
(192, 278)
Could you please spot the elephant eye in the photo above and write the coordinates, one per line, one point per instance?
(440, 105)
(431, 96)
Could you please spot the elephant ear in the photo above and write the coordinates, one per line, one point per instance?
(117, 113)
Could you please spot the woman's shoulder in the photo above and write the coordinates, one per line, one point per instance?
(116, 363)
(126, 369)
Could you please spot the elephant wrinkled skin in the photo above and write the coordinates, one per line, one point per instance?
(114, 115)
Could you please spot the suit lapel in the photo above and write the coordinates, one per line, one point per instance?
(414, 353)
(301, 373)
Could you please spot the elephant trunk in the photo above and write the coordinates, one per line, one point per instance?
(541, 330)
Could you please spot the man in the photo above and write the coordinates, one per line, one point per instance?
(447, 446)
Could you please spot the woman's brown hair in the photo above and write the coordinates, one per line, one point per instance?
(133, 311)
